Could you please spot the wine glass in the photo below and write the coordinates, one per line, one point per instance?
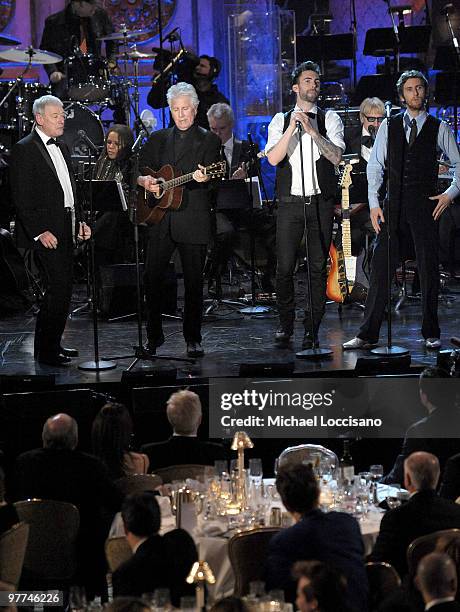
(393, 500)
(376, 472)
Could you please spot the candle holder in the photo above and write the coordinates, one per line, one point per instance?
(200, 574)
(241, 440)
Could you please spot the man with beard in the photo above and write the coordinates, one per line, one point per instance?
(200, 72)
(323, 145)
(415, 138)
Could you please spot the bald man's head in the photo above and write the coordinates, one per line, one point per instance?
(436, 577)
(421, 472)
(61, 432)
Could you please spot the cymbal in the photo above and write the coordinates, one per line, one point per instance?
(135, 55)
(22, 56)
(9, 40)
(126, 34)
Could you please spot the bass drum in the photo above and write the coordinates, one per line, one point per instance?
(79, 117)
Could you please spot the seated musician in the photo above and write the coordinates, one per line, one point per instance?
(359, 141)
(189, 148)
(76, 29)
(237, 154)
(113, 231)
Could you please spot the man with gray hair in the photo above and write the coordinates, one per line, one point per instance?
(189, 149)
(424, 513)
(48, 219)
(184, 413)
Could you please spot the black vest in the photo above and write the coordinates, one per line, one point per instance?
(414, 170)
(325, 171)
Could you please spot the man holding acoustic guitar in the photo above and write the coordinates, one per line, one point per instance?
(176, 165)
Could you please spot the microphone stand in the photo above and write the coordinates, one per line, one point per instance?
(96, 365)
(313, 353)
(457, 68)
(253, 309)
(389, 350)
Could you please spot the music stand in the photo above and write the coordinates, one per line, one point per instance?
(105, 196)
(382, 41)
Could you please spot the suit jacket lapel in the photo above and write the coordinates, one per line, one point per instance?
(46, 156)
(168, 144)
(235, 156)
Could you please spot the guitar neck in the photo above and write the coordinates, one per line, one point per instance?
(346, 233)
(176, 182)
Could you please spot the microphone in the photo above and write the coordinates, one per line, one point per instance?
(172, 36)
(298, 126)
(372, 134)
(446, 9)
(138, 143)
(388, 107)
(86, 139)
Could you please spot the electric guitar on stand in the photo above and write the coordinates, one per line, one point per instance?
(342, 264)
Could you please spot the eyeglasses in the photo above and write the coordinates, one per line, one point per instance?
(374, 119)
(112, 142)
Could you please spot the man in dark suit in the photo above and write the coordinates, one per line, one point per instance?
(450, 485)
(424, 513)
(59, 471)
(189, 148)
(239, 156)
(431, 433)
(75, 31)
(333, 538)
(184, 414)
(47, 221)
(157, 561)
(437, 581)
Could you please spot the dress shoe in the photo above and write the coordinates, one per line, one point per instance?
(307, 342)
(194, 349)
(358, 344)
(282, 337)
(68, 352)
(433, 343)
(54, 360)
(150, 349)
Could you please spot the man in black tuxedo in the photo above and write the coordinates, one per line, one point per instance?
(75, 31)
(239, 155)
(157, 561)
(333, 538)
(59, 471)
(184, 414)
(189, 148)
(424, 513)
(437, 581)
(47, 221)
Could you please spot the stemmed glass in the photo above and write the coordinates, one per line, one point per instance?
(376, 472)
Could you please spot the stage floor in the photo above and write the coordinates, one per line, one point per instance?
(229, 340)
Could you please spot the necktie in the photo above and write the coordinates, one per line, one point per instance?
(52, 141)
(367, 141)
(413, 132)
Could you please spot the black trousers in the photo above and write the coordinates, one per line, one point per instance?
(56, 272)
(160, 247)
(417, 227)
(292, 217)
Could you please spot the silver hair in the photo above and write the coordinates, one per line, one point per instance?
(369, 104)
(183, 410)
(423, 469)
(60, 432)
(40, 104)
(182, 89)
(221, 110)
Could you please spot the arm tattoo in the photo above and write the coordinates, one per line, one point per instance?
(331, 152)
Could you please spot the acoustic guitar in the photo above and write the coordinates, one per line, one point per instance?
(342, 265)
(151, 207)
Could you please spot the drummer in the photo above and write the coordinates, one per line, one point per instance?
(74, 31)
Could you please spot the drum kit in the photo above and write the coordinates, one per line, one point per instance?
(91, 89)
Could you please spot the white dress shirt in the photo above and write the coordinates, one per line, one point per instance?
(311, 153)
(365, 151)
(62, 170)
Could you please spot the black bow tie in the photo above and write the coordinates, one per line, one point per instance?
(52, 141)
(367, 141)
(311, 115)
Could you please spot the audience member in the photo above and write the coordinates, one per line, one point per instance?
(127, 604)
(319, 588)
(111, 438)
(8, 514)
(157, 561)
(424, 513)
(59, 471)
(437, 580)
(229, 604)
(331, 537)
(183, 410)
(450, 485)
(438, 399)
